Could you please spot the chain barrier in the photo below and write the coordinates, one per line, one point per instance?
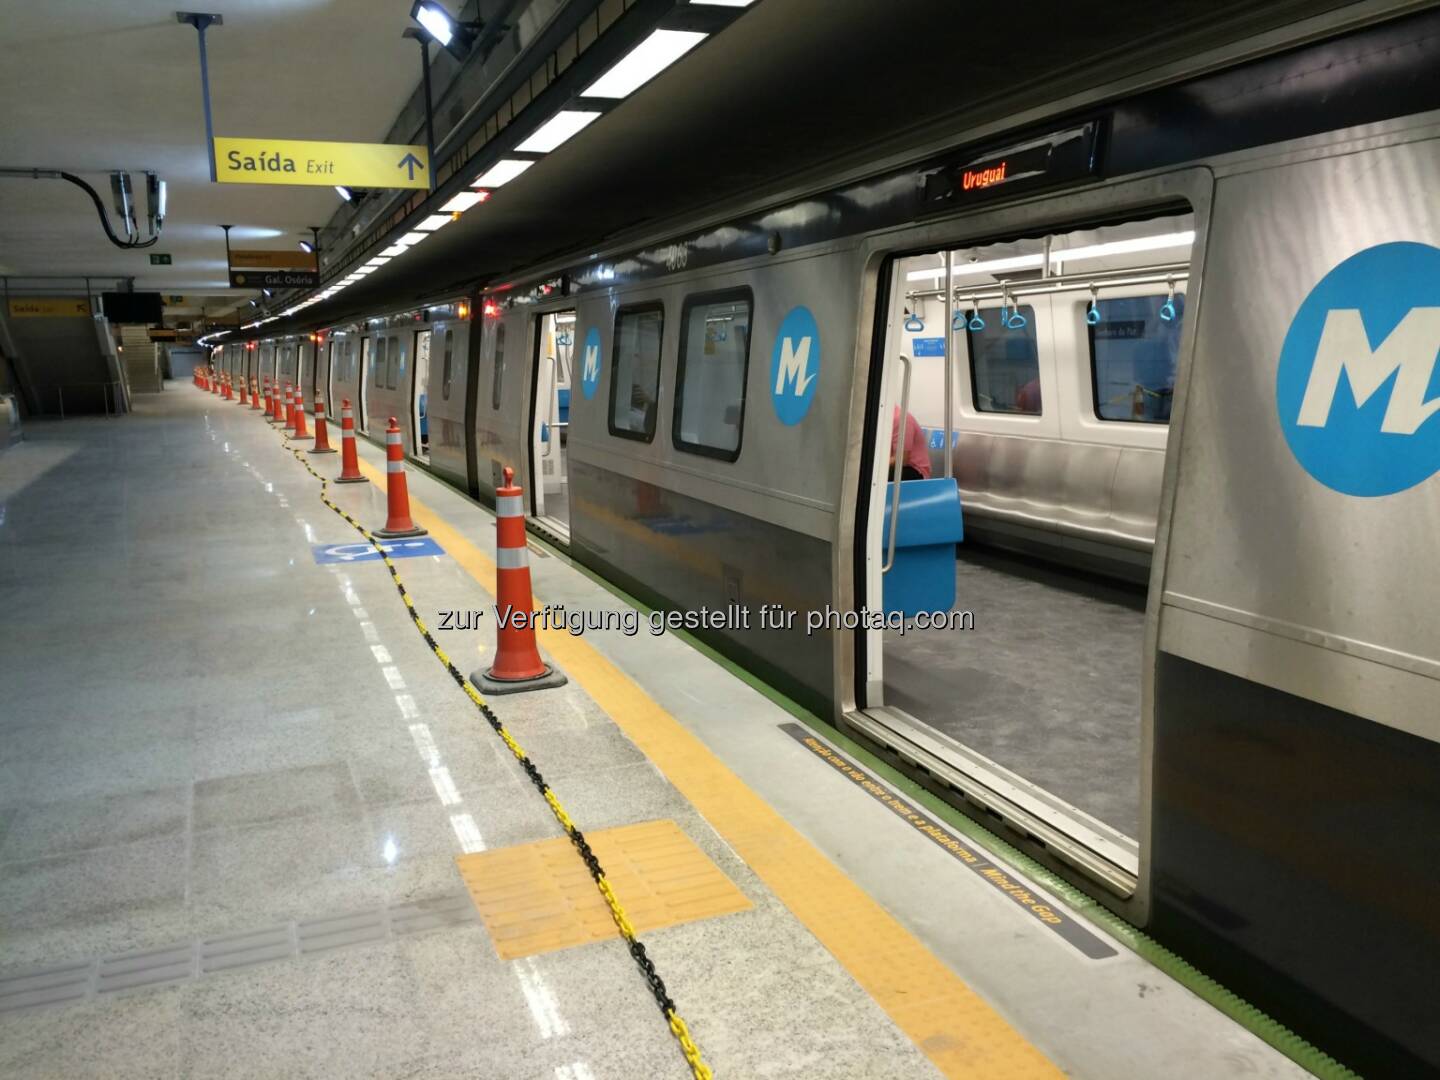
(698, 1068)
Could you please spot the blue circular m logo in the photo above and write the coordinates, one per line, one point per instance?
(590, 363)
(795, 366)
(1357, 387)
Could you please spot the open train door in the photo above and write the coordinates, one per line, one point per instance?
(1033, 374)
(550, 421)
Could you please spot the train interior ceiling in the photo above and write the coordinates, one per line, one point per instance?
(1064, 350)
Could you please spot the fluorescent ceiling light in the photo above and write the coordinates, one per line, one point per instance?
(393, 250)
(463, 201)
(379, 260)
(1125, 247)
(642, 63)
(433, 222)
(344, 192)
(410, 239)
(1093, 251)
(366, 270)
(502, 172)
(1018, 262)
(435, 20)
(556, 130)
(723, 3)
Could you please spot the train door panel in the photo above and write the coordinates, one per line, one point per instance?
(446, 400)
(305, 372)
(550, 418)
(420, 395)
(362, 383)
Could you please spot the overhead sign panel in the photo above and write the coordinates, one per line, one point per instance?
(1063, 157)
(272, 260)
(322, 164)
(273, 279)
(59, 307)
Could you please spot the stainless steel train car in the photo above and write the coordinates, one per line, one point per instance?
(1183, 337)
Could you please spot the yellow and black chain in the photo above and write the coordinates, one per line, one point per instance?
(678, 1028)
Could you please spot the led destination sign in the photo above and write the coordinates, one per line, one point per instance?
(1064, 157)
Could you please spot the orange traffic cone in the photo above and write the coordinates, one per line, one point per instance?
(322, 439)
(214, 383)
(254, 394)
(276, 416)
(349, 463)
(517, 664)
(397, 492)
(300, 432)
(289, 408)
(244, 400)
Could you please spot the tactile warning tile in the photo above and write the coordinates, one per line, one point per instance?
(537, 898)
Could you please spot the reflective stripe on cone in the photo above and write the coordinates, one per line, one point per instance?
(300, 430)
(397, 493)
(322, 439)
(517, 665)
(349, 463)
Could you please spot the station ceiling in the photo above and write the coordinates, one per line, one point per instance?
(792, 88)
(89, 87)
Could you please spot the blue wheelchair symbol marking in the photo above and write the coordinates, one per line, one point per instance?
(363, 552)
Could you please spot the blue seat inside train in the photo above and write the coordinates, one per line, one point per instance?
(930, 525)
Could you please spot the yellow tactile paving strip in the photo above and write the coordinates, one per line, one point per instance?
(952, 1025)
(537, 898)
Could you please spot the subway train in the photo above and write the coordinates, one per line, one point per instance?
(1169, 360)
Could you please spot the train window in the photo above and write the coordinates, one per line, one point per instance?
(635, 373)
(379, 360)
(1133, 349)
(448, 371)
(499, 365)
(714, 359)
(1004, 360)
(392, 368)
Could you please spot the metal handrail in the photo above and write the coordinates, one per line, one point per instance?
(899, 464)
(109, 386)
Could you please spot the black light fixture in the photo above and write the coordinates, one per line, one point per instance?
(454, 36)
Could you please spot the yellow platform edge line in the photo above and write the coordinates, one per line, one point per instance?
(961, 1034)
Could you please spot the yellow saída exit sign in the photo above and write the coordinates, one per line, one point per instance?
(50, 307)
(322, 164)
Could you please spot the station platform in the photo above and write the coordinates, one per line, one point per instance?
(251, 827)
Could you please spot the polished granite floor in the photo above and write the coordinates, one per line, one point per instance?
(205, 733)
(232, 760)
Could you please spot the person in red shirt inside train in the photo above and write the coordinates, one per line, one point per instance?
(917, 458)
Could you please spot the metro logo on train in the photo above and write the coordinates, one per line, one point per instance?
(590, 364)
(795, 366)
(1358, 386)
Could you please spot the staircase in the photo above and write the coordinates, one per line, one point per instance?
(141, 358)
